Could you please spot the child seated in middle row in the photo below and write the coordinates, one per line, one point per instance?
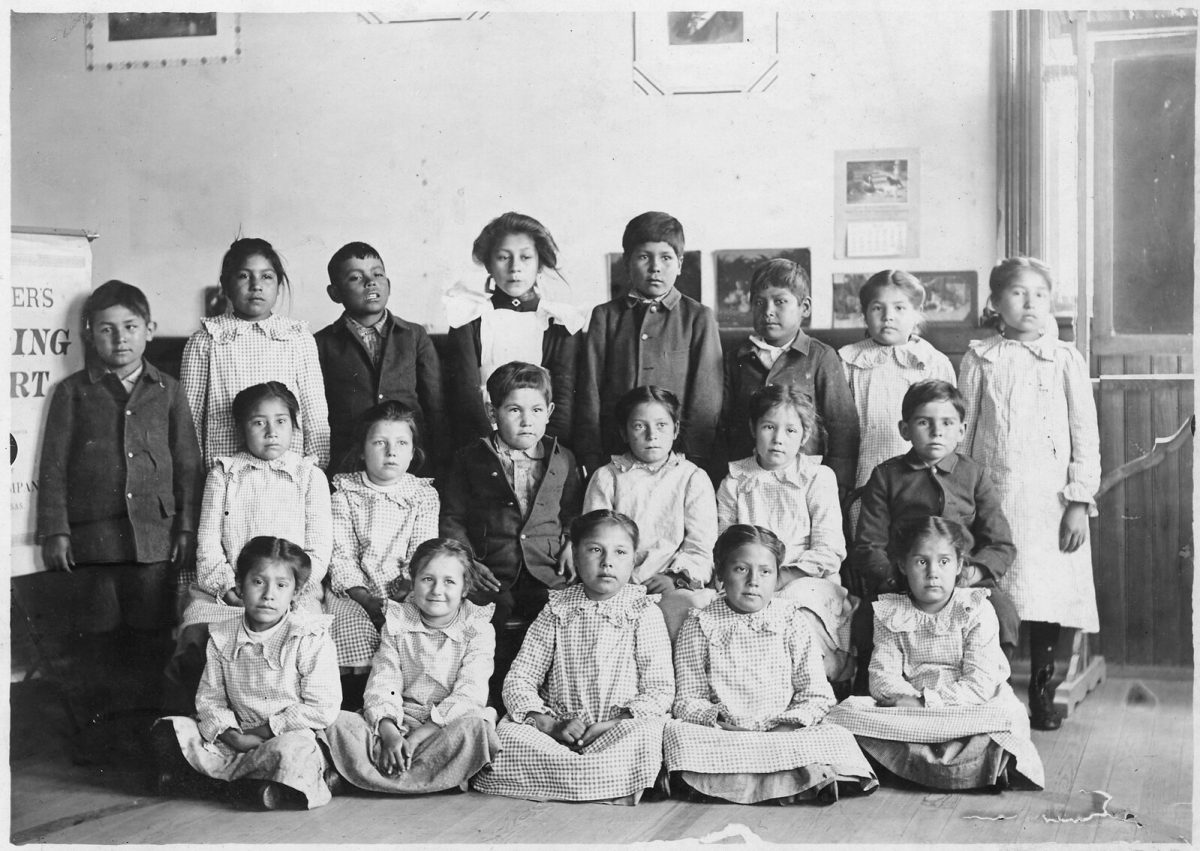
(511, 497)
(752, 692)
(782, 489)
(380, 514)
(941, 712)
(932, 479)
(424, 727)
(669, 497)
(588, 694)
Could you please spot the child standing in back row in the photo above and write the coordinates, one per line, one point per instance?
(248, 345)
(653, 335)
(1031, 421)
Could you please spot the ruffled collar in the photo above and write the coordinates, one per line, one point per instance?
(464, 305)
(406, 617)
(226, 327)
(404, 494)
(990, 348)
(623, 608)
(897, 612)
(720, 622)
(289, 462)
(626, 462)
(230, 636)
(747, 473)
(868, 354)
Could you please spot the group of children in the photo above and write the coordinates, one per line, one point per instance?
(572, 566)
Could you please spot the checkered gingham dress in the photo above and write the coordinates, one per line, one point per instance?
(587, 660)
(375, 533)
(756, 671)
(951, 660)
(228, 355)
(1031, 422)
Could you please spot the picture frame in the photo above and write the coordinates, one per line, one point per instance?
(126, 40)
(693, 53)
(687, 283)
(951, 298)
(877, 196)
(733, 270)
(393, 18)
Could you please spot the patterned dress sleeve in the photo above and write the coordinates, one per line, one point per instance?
(213, 713)
(727, 514)
(345, 562)
(318, 527)
(320, 692)
(214, 570)
(524, 681)
(984, 666)
(600, 490)
(970, 384)
(812, 696)
(470, 690)
(1083, 471)
(695, 554)
(694, 701)
(887, 666)
(827, 543)
(384, 694)
(656, 676)
(425, 523)
(313, 405)
(193, 375)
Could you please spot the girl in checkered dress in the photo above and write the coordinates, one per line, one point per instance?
(270, 685)
(752, 692)
(669, 498)
(796, 497)
(381, 512)
(250, 344)
(590, 689)
(882, 367)
(424, 726)
(266, 489)
(941, 712)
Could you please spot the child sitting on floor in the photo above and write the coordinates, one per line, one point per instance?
(941, 712)
(589, 691)
(424, 727)
(752, 691)
(270, 683)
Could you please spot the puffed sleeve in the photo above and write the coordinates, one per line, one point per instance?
(694, 698)
(1083, 472)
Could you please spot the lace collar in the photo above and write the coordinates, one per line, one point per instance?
(230, 637)
(720, 622)
(226, 328)
(747, 473)
(622, 609)
(897, 612)
(406, 617)
(990, 348)
(289, 462)
(403, 495)
(868, 354)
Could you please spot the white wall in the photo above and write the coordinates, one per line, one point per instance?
(412, 136)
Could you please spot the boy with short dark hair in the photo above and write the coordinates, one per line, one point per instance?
(653, 335)
(779, 352)
(512, 497)
(933, 480)
(119, 484)
(369, 354)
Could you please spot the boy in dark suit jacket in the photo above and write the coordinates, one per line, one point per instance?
(512, 497)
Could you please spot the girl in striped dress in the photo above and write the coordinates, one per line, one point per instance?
(882, 367)
(424, 726)
(270, 686)
(752, 692)
(941, 712)
(590, 689)
(381, 512)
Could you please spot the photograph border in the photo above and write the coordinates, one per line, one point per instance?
(662, 68)
(101, 54)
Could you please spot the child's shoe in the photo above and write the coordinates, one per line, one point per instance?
(336, 783)
(1043, 715)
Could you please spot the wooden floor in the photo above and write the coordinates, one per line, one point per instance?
(1131, 739)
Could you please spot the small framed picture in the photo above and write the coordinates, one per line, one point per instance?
(123, 40)
(687, 283)
(693, 53)
(847, 310)
(877, 196)
(734, 268)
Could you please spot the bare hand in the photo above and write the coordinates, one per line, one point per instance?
(375, 611)
(570, 733)
(566, 562)
(487, 579)
(56, 553)
(1072, 532)
(908, 700)
(239, 741)
(183, 548)
(392, 759)
(416, 738)
(233, 598)
(595, 731)
(659, 583)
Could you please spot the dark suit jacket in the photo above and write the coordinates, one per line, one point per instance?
(480, 508)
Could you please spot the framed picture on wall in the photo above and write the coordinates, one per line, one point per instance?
(692, 53)
(123, 40)
(734, 268)
(877, 197)
(847, 312)
(687, 283)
